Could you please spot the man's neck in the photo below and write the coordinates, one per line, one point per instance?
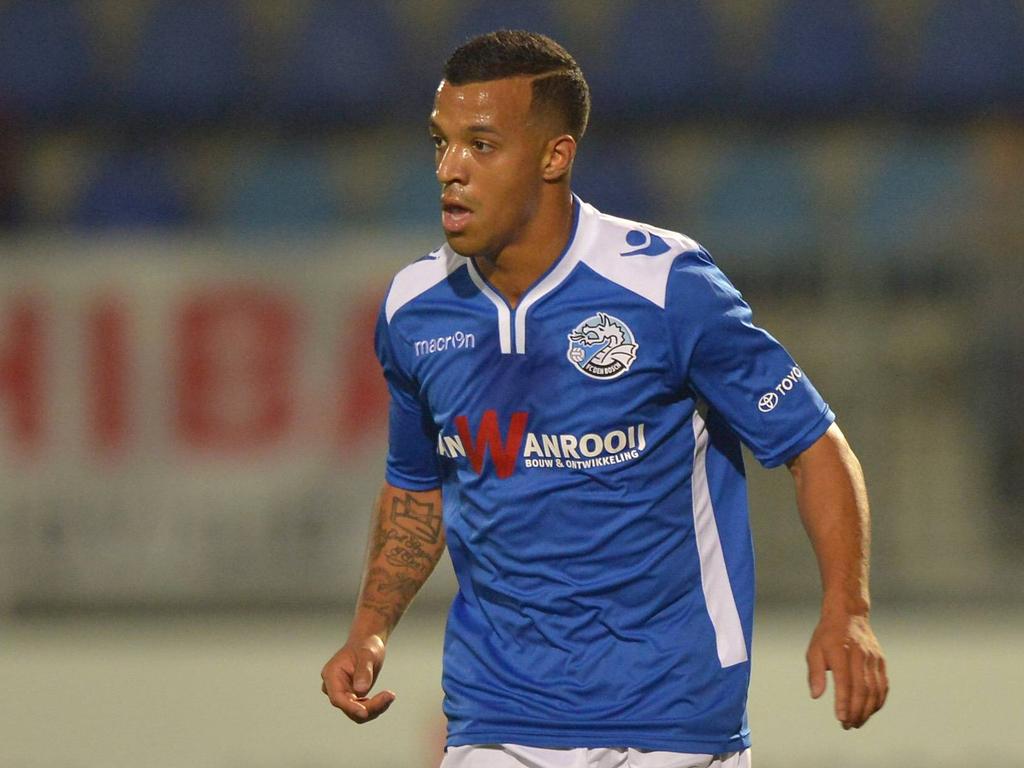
(518, 266)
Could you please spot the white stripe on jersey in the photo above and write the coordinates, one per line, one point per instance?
(714, 578)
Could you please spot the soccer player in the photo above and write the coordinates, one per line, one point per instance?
(568, 395)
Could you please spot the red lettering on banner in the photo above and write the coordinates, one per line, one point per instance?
(108, 361)
(236, 352)
(21, 373)
(489, 437)
(363, 396)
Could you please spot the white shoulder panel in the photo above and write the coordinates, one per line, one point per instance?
(636, 256)
(419, 277)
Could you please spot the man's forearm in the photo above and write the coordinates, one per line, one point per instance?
(833, 505)
(406, 541)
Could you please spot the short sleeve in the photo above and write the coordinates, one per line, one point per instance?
(412, 437)
(739, 369)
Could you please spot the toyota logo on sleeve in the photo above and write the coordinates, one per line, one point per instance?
(767, 402)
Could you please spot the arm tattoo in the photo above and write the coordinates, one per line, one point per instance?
(388, 594)
(404, 547)
(420, 519)
(381, 535)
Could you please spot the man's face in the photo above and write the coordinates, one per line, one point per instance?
(489, 156)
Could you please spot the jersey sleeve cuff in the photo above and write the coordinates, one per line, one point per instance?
(409, 482)
(801, 443)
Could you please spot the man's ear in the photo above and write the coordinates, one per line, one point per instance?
(558, 156)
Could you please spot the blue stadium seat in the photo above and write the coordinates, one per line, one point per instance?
(131, 189)
(347, 61)
(914, 206)
(46, 65)
(414, 197)
(971, 56)
(610, 175)
(285, 188)
(190, 61)
(661, 57)
(820, 57)
(476, 18)
(759, 209)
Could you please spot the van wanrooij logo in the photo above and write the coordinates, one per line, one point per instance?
(602, 347)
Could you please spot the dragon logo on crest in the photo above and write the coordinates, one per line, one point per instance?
(602, 347)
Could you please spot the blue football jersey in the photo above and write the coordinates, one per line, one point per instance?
(587, 443)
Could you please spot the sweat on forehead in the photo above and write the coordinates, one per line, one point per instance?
(505, 94)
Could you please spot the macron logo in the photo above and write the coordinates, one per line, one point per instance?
(457, 340)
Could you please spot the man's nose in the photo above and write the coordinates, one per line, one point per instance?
(451, 165)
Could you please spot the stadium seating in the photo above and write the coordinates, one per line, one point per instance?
(46, 61)
(481, 16)
(971, 57)
(346, 63)
(131, 188)
(759, 207)
(329, 74)
(280, 188)
(660, 58)
(190, 62)
(413, 196)
(916, 201)
(819, 58)
(610, 174)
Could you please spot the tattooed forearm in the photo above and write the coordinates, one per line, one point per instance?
(405, 544)
(388, 594)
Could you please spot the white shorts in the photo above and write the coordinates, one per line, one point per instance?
(517, 756)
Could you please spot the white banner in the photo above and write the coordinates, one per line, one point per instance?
(190, 421)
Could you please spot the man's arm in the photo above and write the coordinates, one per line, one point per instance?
(406, 541)
(833, 505)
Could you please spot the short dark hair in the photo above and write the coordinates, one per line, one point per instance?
(559, 83)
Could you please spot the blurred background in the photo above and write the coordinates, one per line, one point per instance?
(201, 205)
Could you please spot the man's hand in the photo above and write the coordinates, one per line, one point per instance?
(406, 541)
(349, 676)
(846, 645)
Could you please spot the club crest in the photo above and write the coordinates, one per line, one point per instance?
(602, 347)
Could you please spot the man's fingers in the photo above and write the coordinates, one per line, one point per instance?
(878, 686)
(338, 690)
(359, 708)
(839, 664)
(815, 671)
(873, 690)
(355, 709)
(362, 680)
(337, 680)
(377, 705)
(857, 665)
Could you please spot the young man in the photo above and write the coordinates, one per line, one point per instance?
(571, 389)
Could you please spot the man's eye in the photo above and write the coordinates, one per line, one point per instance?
(482, 146)
(438, 141)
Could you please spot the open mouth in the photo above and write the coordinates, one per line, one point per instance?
(454, 217)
